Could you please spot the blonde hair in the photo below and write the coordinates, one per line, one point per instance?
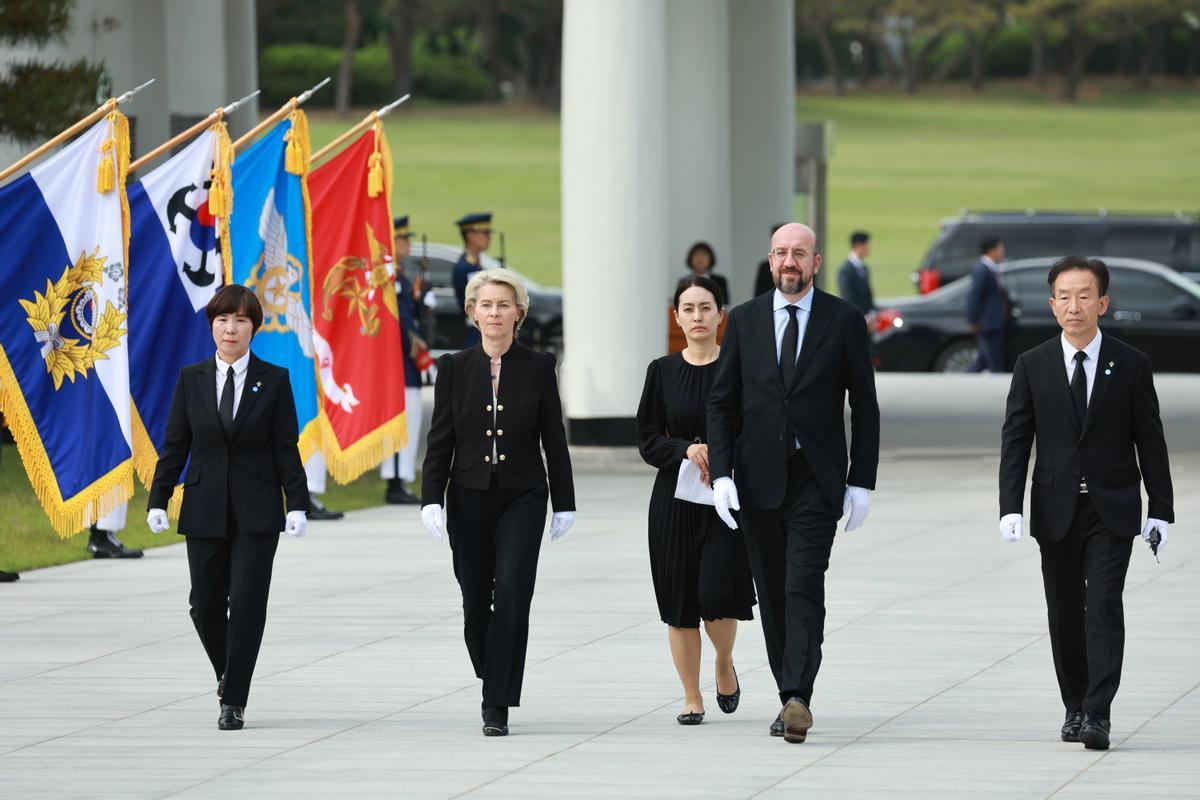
(502, 277)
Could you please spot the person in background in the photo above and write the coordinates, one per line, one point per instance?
(701, 260)
(764, 281)
(401, 468)
(476, 231)
(988, 309)
(495, 409)
(699, 567)
(854, 279)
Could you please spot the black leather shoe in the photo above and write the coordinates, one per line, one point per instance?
(797, 719)
(1070, 728)
(495, 721)
(9, 577)
(232, 718)
(317, 510)
(728, 703)
(690, 718)
(105, 544)
(399, 495)
(1094, 732)
(777, 725)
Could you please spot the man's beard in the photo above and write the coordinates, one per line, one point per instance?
(802, 283)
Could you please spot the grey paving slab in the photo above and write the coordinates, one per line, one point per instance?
(937, 678)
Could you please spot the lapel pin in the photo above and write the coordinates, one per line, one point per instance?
(256, 386)
(1108, 372)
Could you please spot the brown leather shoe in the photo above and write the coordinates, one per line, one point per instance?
(797, 719)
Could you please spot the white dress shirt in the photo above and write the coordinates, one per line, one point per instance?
(858, 263)
(1089, 364)
(239, 379)
(804, 304)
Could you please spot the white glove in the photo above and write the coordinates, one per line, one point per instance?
(431, 516)
(157, 520)
(296, 524)
(725, 497)
(1011, 527)
(560, 523)
(1151, 524)
(857, 503)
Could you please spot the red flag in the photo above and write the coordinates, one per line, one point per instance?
(356, 328)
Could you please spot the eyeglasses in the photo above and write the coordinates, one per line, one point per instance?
(780, 253)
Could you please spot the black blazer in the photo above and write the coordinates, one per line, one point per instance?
(253, 469)
(528, 418)
(855, 288)
(751, 415)
(1122, 415)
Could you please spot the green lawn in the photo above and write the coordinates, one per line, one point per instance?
(27, 541)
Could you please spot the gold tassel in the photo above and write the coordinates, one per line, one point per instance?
(299, 152)
(375, 163)
(115, 149)
(220, 192)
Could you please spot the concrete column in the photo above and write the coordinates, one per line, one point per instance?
(196, 42)
(698, 131)
(614, 210)
(241, 56)
(763, 113)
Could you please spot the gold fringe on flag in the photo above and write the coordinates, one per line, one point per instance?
(299, 151)
(365, 454)
(115, 149)
(67, 517)
(145, 454)
(220, 192)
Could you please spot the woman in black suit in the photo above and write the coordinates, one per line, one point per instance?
(233, 422)
(495, 406)
(700, 567)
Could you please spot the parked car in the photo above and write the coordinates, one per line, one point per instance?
(1151, 307)
(1169, 239)
(446, 325)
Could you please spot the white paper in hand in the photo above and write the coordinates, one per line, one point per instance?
(690, 488)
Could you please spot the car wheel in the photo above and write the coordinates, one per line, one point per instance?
(958, 356)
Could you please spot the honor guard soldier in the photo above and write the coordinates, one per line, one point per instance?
(476, 230)
(402, 467)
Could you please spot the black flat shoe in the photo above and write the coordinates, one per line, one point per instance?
(232, 718)
(495, 721)
(9, 577)
(105, 544)
(777, 725)
(1070, 728)
(1094, 732)
(317, 510)
(729, 702)
(398, 495)
(690, 718)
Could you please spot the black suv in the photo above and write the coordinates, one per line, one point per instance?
(445, 323)
(1169, 239)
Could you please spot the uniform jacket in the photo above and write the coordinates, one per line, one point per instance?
(253, 470)
(528, 418)
(752, 416)
(1122, 419)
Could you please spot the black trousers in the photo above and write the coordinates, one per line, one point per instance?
(1084, 577)
(789, 553)
(496, 536)
(231, 578)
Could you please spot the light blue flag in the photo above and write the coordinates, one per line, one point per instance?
(268, 231)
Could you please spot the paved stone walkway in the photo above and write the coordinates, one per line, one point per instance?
(937, 679)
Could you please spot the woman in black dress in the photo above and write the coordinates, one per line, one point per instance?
(699, 566)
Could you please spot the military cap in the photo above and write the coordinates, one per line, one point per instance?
(400, 227)
(478, 221)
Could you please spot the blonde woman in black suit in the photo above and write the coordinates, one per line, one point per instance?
(233, 422)
(495, 408)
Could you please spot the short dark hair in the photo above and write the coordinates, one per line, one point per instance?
(859, 237)
(697, 247)
(235, 299)
(989, 244)
(1092, 265)
(702, 281)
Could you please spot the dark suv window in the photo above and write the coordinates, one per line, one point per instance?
(1028, 289)
(1149, 295)
(1151, 244)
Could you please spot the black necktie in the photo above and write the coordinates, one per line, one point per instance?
(225, 412)
(787, 351)
(1079, 387)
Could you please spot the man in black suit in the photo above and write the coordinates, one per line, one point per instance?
(233, 423)
(988, 307)
(775, 422)
(854, 279)
(1088, 401)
